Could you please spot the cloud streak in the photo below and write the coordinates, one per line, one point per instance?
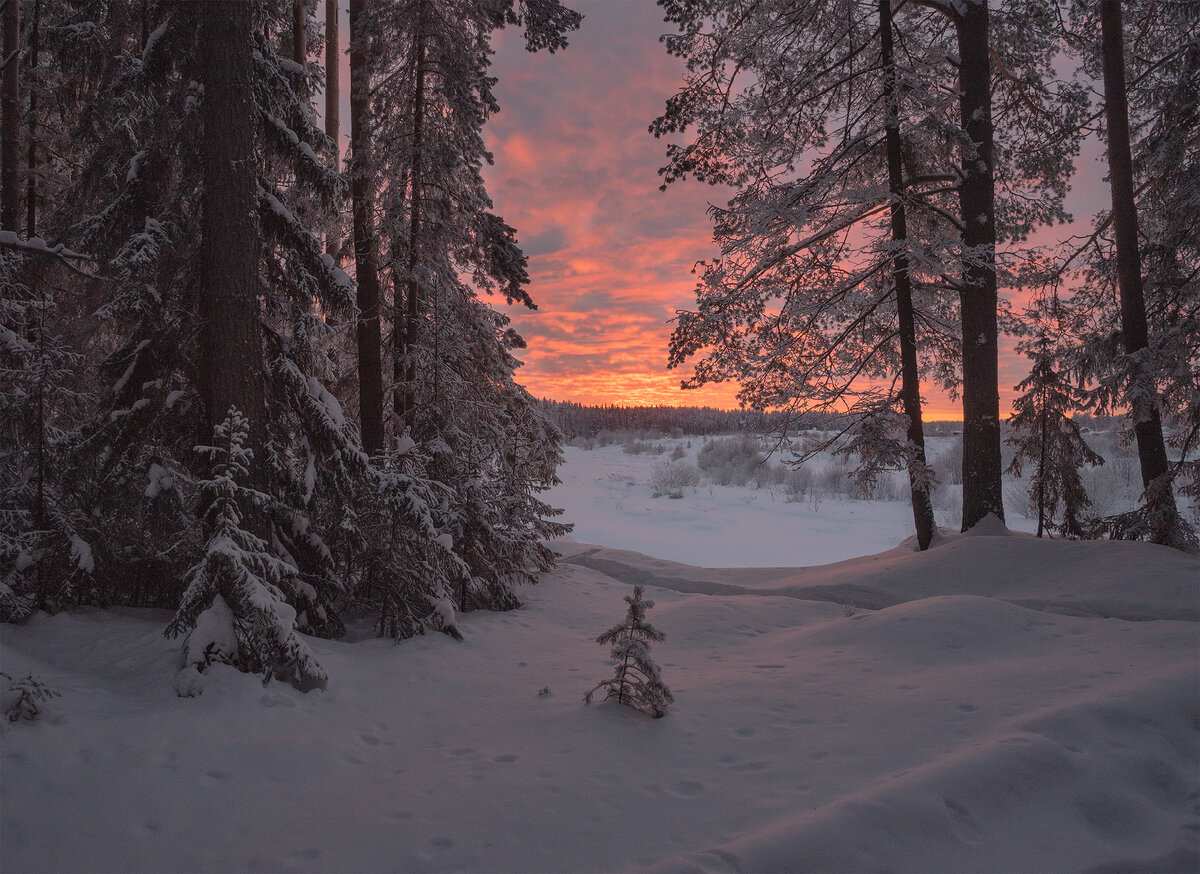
(611, 256)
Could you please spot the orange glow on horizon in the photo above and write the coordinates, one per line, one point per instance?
(611, 256)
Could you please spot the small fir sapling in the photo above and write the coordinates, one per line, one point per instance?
(1045, 436)
(233, 610)
(21, 699)
(638, 679)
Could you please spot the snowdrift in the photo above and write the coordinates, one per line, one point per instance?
(1076, 578)
(998, 703)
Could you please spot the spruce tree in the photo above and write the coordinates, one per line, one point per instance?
(234, 609)
(453, 388)
(1046, 437)
(637, 681)
(162, 366)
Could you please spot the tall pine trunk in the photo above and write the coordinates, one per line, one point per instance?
(10, 117)
(299, 33)
(910, 384)
(982, 489)
(1152, 451)
(31, 154)
(1041, 468)
(366, 265)
(406, 342)
(333, 77)
(230, 334)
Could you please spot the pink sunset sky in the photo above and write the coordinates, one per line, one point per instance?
(610, 254)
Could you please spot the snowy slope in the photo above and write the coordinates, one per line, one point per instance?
(969, 724)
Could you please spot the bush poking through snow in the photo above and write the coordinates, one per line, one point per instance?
(670, 478)
(638, 679)
(732, 461)
(20, 700)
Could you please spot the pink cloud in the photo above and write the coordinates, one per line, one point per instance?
(611, 255)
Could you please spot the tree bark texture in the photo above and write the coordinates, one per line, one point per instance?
(333, 94)
(231, 358)
(366, 265)
(1152, 451)
(982, 490)
(31, 155)
(333, 76)
(1041, 468)
(406, 351)
(299, 32)
(910, 383)
(10, 117)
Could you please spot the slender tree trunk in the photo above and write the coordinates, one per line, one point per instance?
(10, 118)
(1147, 424)
(406, 350)
(982, 490)
(39, 512)
(1041, 470)
(31, 156)
(910, 383)
(366, 266)
(299, 32)
(230, 334)
(333, 75)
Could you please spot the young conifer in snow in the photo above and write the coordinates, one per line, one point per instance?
(409, 562)
(1046, 436)
(638, 679)
(234, 610)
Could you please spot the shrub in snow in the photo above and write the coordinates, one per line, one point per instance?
(948, 465)
(233, 610)
(732, 461)
(638, 680)
(797, 484)
(738, 461)
(1047, 439)
(20, 699)
(641, 447)
(670, 478)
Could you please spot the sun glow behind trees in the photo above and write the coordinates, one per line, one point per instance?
(610, 256)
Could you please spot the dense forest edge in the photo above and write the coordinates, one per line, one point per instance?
(273, 387)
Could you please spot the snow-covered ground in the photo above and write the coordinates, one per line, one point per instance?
(606, 492)
(996, 703)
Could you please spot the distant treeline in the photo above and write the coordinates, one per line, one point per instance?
(581, 420)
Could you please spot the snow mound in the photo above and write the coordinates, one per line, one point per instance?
(1074, 789)
(980, 706)
(1127, 580)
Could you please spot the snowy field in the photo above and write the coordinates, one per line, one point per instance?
(998, 703)
(606, 492)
